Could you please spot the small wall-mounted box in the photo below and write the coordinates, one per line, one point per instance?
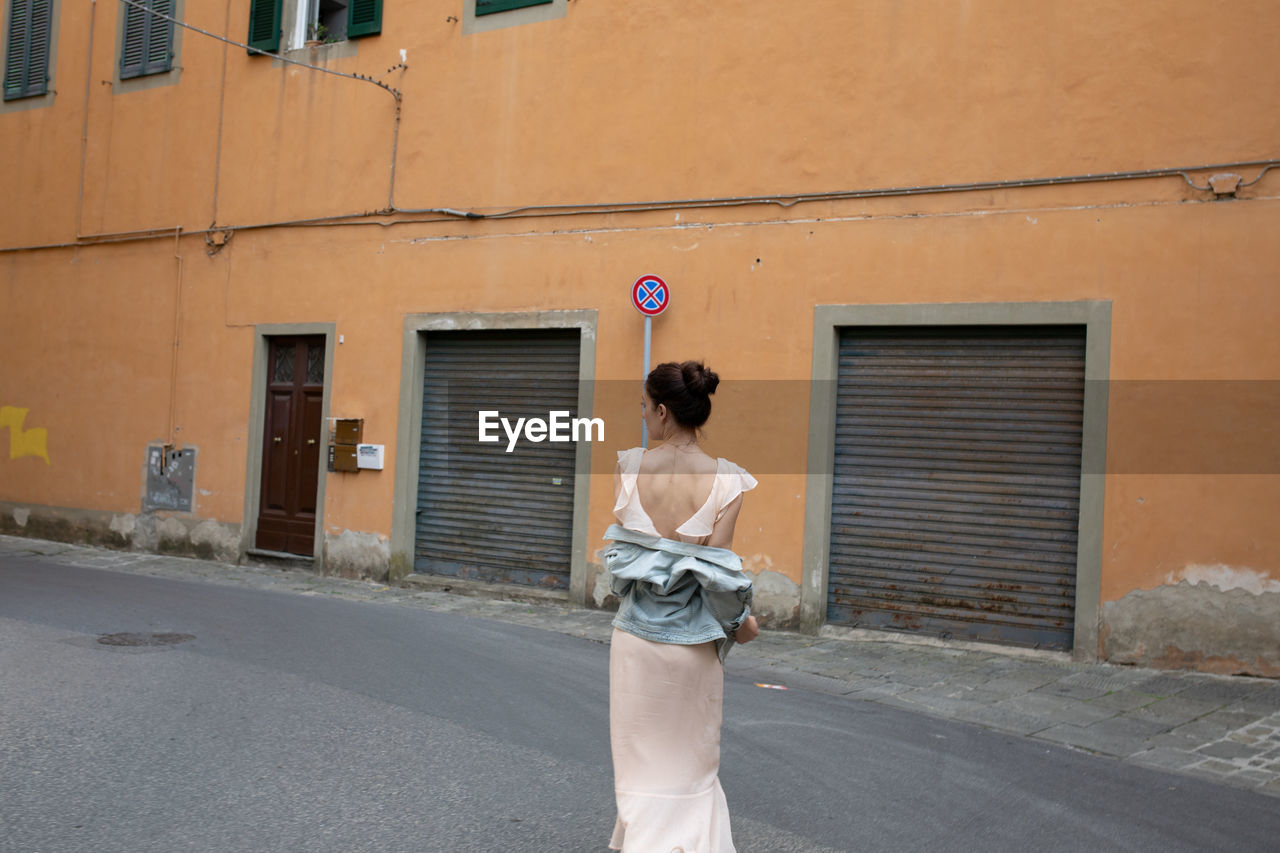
(344, 457)
(369, 456)
(347, 433)
(348, 430)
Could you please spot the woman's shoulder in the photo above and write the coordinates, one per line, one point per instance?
(736, 476)
(629, 459)
(728, 466)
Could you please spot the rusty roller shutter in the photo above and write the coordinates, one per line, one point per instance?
(956, 489)
(484, 513)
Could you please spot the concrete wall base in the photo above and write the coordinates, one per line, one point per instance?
(349, 554)
(1195, 626)
(352, 554)
(159, 532)
(481, 589)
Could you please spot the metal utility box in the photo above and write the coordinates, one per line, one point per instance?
(348, 431)
(170, 478)
(344, 457)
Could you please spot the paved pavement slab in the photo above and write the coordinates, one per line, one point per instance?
(1118, 737)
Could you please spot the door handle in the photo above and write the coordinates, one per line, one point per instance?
(277, 439)
(311, 441)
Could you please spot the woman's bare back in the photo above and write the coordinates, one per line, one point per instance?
(673, 484)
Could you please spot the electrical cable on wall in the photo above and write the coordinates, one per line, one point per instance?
(259, 51)
(221, 233)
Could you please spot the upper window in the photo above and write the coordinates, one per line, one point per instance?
(327, 21)
(264, 24)
(488, 7)
(146, 46)
(273, 24)
(482, 16)
(26, 58)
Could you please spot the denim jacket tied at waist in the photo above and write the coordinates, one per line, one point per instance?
(676, 592)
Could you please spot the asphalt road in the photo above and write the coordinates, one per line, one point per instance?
(295, 722)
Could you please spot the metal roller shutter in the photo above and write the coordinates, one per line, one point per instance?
(483, 513)
(956, 490)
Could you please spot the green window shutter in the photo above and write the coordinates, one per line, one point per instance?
(147, 44)
(488, 7)
(38, 47)
(160, 37)
(264, 24)
(364, 18)
(15, 56)
(26, 61)
(133, 41)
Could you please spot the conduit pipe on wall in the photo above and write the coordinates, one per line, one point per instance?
(845, 195)
(222, 100)
(84, 128)
(170, 428)
(370, 217)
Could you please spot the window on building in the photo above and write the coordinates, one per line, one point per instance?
(488, 7)
(327, 21)
(146, 46)
(264, 24)
(26, 57)
(364, 18)
(276, 24)
(483, 16)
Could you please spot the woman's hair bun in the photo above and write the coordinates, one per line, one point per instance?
(699, 378)
(685, 388)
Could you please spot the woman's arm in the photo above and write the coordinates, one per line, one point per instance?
(722, 537)
(617, 586)
(722, 532)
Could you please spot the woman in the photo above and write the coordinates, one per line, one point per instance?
(684, 601)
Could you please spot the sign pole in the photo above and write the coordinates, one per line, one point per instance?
(648, 337)
(650, 296)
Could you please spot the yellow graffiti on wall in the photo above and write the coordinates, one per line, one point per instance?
(24, 442)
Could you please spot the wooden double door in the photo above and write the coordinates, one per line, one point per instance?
(291, 444)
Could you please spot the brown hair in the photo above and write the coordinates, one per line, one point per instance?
(685, 389)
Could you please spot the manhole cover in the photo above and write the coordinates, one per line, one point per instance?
(127, 639)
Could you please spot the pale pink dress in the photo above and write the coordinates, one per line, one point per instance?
(665, 704)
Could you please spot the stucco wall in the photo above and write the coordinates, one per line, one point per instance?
(639, 102)
(111, 346)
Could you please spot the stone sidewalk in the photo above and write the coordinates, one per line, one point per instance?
(1225, 729)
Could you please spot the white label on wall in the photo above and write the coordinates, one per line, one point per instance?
(369, 456)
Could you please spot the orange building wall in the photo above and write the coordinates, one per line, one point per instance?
(646, 102)
(634, 104)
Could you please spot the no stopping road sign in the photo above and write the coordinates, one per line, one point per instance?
(650, 295)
